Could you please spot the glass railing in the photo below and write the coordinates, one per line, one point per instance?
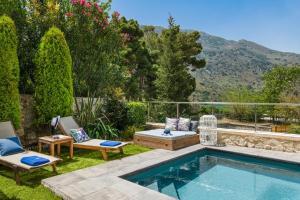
(271, 117)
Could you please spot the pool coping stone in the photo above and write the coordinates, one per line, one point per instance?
(105, 180)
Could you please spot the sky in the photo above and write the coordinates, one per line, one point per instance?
(272, 23)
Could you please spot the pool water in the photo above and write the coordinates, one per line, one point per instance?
(216, 175)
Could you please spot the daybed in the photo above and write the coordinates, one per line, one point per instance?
(157, 139)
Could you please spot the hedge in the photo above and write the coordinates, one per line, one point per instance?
(53, 77)
(137, 113)
(9, 73)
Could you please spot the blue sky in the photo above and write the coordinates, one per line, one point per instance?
(272, 23)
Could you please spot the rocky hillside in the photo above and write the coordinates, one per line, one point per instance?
(232, 64)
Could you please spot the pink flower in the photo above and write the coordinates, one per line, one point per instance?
(82, 2)
(69, 14)
(116, 14)
(100, 10)
(95, 4)
(88, 5)
(74, 1)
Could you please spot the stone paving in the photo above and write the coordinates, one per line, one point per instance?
(104, 182)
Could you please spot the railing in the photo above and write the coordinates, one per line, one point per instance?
(276, 117)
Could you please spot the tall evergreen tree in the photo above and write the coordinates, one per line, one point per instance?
(53, 76)
(136, 59)
(179, 52)
(9, 73)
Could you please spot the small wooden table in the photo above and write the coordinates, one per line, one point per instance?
(63, 139)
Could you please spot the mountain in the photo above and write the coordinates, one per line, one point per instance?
(234, 64)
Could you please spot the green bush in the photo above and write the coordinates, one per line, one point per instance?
(9, 73)
(53, 77)
(294, 128)
(136, 113)
(101, 129)
(116, 112)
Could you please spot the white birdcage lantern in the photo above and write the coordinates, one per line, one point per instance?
(208, 130)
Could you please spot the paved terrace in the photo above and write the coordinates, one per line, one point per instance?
(103, 181)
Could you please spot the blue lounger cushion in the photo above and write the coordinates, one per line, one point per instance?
(110, 143)
(9, 147)
(34, 160)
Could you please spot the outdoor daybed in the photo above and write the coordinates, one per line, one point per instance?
(67, 123)
(14, 161)
(157, 139)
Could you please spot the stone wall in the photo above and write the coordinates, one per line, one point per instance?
(29, 132)
(260, 140)
(247, 138)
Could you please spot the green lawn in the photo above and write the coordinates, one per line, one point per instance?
(31, 188)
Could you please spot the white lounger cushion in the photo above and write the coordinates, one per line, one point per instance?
(158, 133)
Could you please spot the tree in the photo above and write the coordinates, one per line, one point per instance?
(243, 95)
(280, 80)
(136, 59)
(179, 52)
(32, 18)
(95, 44)
(53, 77)
(282, 85)
(9, 73)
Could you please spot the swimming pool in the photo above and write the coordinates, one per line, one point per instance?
(216, 175)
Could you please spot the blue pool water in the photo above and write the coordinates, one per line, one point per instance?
(216, 175)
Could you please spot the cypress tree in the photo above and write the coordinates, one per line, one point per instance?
(9, 73)
(53, 77)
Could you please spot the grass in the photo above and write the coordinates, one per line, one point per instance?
(31, 188)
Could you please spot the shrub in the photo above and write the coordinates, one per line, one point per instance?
(116, 112)
(101, 129)
(88, 110)
(9, 73)
(294, 128)
(53, 77)
(137, 113)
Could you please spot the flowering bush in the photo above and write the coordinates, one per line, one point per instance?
(95, 43)
(93, 12)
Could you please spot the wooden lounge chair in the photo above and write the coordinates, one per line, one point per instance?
(13, 161)
(67, 123)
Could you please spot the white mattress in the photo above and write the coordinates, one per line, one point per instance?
(159, 133)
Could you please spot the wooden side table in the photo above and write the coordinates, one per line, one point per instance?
(63, 139)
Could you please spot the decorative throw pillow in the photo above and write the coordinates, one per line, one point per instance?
(15, 139)
(79, 135)
(184, 124)
(171, 123)
(194, 125)
(8, 147)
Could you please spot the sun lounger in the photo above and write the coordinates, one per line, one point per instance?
(14, 161)
(67, 123)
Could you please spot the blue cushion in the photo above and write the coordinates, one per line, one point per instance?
(110, 143)
(8, 147)
(34, 160)
(15, 139)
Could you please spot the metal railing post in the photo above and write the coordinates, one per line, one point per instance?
(177, 107)
(255, 117)
(148, 112)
